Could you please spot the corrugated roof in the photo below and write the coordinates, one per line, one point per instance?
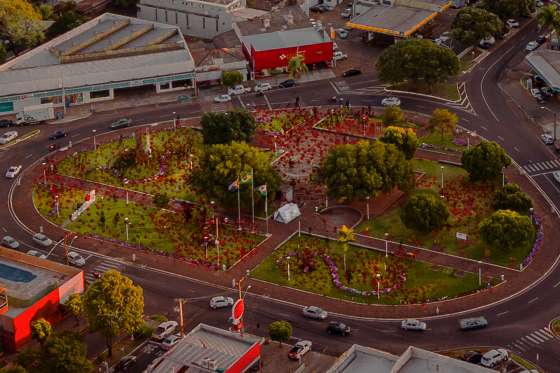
(395, 18)
(547, 64)
(278, 21)
(289, 38)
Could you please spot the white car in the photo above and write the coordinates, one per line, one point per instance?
(540, 4)
(547, 139)
(337, 56)
(412, 324)
(334, 46)
(219, 302)
(391, 101)
(512, 23)
(36, 254)
(314, 312)
(536, 93)
(347, 13)
(7, 137)
(342, 33)
(490, 40)
(238, 90)
(10, 242)
(299, 349)
(223, 98)
(445, 36)
(556, 175)
(13, 171)
(316, 23)
(170, 342)
(547, 91)
(531, 46)
(42, 240)
(262, 87)
(493, 357)
(76, 259)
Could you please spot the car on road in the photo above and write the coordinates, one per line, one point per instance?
(121, 123)
(13, 171)
(125, 362)
(547, 91)
(299, 349)
(76, 259)
(536, 93)
(6, 122)
(263, 87)
(238, 90)
(36, 254)
(314, 313)
(42, 240)
(222, 98)
(183, 98)
(556, 175)
(541, 39)
(10, 242)
(170, 342)
(164, 330)
(412, 324)
(391, 101)
(219, 302)
(338, 327)
(473, 323)
(337, 56)
(287, 83)
(512, 23)
(342, 33)
(547, 139)
(493, 357)
(445, 36)
(472, 357)
(57, 134)
(351, 72)
(347, 13)
(531, 46)
(316, 9)
(484, 45)
(7, 137)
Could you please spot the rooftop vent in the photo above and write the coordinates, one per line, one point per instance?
(74, 44)
(95, 32)
(110, 42)
(213, 364)
(133, 30)
(204, 362)
(266, 23)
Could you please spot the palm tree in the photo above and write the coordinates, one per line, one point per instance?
(345, 236)
(44, 11)
(297, 67)
(548, 19)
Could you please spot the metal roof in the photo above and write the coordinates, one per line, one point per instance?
(288, 38)
(546, 63)
(396, 20)
(278, 20)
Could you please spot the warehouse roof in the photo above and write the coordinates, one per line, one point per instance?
(546, 63)
(290, 17)
(286, 39)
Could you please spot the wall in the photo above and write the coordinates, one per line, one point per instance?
(244, 362)
(270, 59)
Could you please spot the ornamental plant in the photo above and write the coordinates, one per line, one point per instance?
(424, 212)
(512, 198)
(505, 229)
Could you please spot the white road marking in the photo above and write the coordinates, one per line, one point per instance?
(28, 156)
(267, 102)
(75, 135)
(537, 338)
(531, 301)
(482, 82)
(484, 128)
(283, 314)
(7, 232)
(501, 138)
(336, 90)
(542, 335)
(531, 339)
(503, 313)
(316, 322)
(240, 100)
(163, 116)
(420, 106)
(516, 148)
(466, 120)
(554, 285)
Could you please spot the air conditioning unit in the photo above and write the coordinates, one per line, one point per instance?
(213, 364)
(204, 362)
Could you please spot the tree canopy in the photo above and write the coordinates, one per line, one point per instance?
(45, 11)
(223, 164)
(14, 369)
(548, 18)
(485, 161)
(68, 21)
(161, 200)
(417, 59)
(40, 330)
(511, 197)
(231, 78)
(507, 8)
(2, 54)
(442, 120)
(280, 331)
(356, 171)
(424, 212)
(113, 305)
(223, 128)
(392, 116)
(297, 67)
(65, 352)
(20, 24)
(473, 24)
(74, 304)
(506, 229)
(403, 138)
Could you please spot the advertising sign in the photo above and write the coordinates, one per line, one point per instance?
(269, 59)
(237, 311)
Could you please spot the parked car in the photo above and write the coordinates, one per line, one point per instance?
(10, 242)
(121, 123)
(540, 4)
(36, 254)
(13, 171)
(334, 46)
(222, 98)
(299, 349)
(170, 342)
(6, 122)
(556, 175)
(352, 71)
(316, 23)
(316, 9)
(326, 8)
(314, 312)
(445, 36)
(347, 13)
(338, 327)
(391, 101)
(287, 83)
(7, 137)
(342, 33)
(238, 90)
(490, 40)
(536, 93)
(547, 139)
(538, 80)
(164, 330)
(493, 357)
(456, 4)
(412, 324)
(183, 98)
(472, 357)
(219, 302)
(531, 46)
(541, 38)
(262, 87)
(125, 362)
(337, 56)
(547, 91)
(473, 323)
(76, 259)
(42, 240)
(484, 45)
(512, 23)
(57, 134)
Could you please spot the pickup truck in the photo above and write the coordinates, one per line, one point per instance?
(299, 349)
(164, 330)
(238, 90)
(473, 323)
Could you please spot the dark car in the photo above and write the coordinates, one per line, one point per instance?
(316, 9)
(288, 83)
(6, 123)
(121, 123)
(58, 134)
(484, 45)
(349, 6)
(541, 39)
(472, 357)
(125, 362)
(526, 15)
(338, 327)
(351, 72)
(538, 81)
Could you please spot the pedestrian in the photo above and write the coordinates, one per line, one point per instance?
(233, 283)
(340, 102)
(309, 230)
(258, 326)
(297, 139)
(335, 230)
(347, 103)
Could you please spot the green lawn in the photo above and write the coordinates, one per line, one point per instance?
(344, 117)
(447, 142)
(467, 61)
(69, 198)
(421, 282)
(282, 122)
(556, 327)
(445, 90)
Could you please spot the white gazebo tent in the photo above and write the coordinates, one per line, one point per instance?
(287, 213)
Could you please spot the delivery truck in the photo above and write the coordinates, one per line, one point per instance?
(35, 114)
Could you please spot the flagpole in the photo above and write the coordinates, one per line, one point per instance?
(266, 208)
(253, 196)
(238, 204)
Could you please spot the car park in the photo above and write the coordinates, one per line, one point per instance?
(536, 93)
(493, 358)
(347, 13)
(412, 324)
(546, 91)
(262, 87)
(76, 259)
(299, 349)
(57, 134)
(121, 123)
(531, 46)
(10, 242)
(13, 171)
(352, 71)
(337, 56)
(219, 302)
(314, 313)
(42, 240)
(36, 254)
(547, 139)
(342, 33)
(316, 9)
(7, 137)
(125, 362)
(287, 83)
(170, 342)
(472, 357)
(391, 101)
(473, 323)
(556, 175)
(6, 122)
(222, 98)
(338, 327)
(512, 23)
(238, 90)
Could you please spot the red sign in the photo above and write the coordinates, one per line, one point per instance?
(237, 311)
(269, 59)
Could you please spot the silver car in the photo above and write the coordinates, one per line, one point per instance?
(76, 259)
(219, 302)
(10, 242)
(314, 312)
(42, 240)
(170, 342)
(36, 254)
(412, 324)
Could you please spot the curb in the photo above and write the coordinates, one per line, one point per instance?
(62, 121)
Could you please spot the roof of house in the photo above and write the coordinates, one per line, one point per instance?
(286, 39)
(227, 39)
(218, 56)
(547, 64)
(278, 21)
(391, 19)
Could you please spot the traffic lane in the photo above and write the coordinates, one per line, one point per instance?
(550, 186)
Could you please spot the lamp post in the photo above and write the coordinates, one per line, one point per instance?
(288, 259)
(553, 112)
(190, 159)
(441, 177)
(126, 227)
(386, 245)
(174, 122)
(378, 286)
(479, 273)
(66, 246)
(94, 143)
(367, 201)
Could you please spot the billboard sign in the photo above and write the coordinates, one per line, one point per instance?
(237, 311)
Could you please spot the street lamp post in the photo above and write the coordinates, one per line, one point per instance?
(174, 122)
(386, 245)
(367, 201)
(553, 112)
(479, 273)
(126, 227)
(94, 143)
(190, 159)
(288, 260)
(441, 177)
(378, 286)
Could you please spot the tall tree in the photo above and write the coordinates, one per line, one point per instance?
(345, 236)
(65, 352)
(113, 305)
(485, 161)
(403, 138)
(506, 229)
(507, 8)
(442, 120)
(223, 164)
(417, 59)
(549, 19)
(473, 24)
(2, 54)
(45, 11)
(280, 331)
(231, 78)
(424, 212)
(297, 67)
(20, 25)
(40, 330)
(75, 307)
(68, 21)
(511, 197)
(392, 116)
(14, 369)
(223, 128)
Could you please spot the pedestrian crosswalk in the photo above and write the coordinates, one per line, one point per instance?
(101, 268)
(375, 90)
(531, 340)
(542, 166)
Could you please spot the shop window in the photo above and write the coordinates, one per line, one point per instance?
(166, 16)
(217, 25)
(156, 14)
(182, 83)
(99, 94)
(203, 22)
(164, 86)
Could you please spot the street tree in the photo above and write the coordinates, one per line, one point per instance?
(506, 229)
(113, 305)
(74, 304)
(28, 358)
(276, 72)
(392, 116)
(549, 19)
(65, 352)
(356, 171)
(231, 78)
(424, 213)
(65, 6)
(280, 331)
(14, 369)
(345, 236)
(442, 120)
(20, 25)
(223, 164)
(40, 330)
(297, 67)
(485, 161)
(2, 54)
(473, 24)
(511, 197)
(45, 11)
(223, 128)
(403, 138)
(161, 200)
(507, 8)
(417, 59)
(68, 21)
